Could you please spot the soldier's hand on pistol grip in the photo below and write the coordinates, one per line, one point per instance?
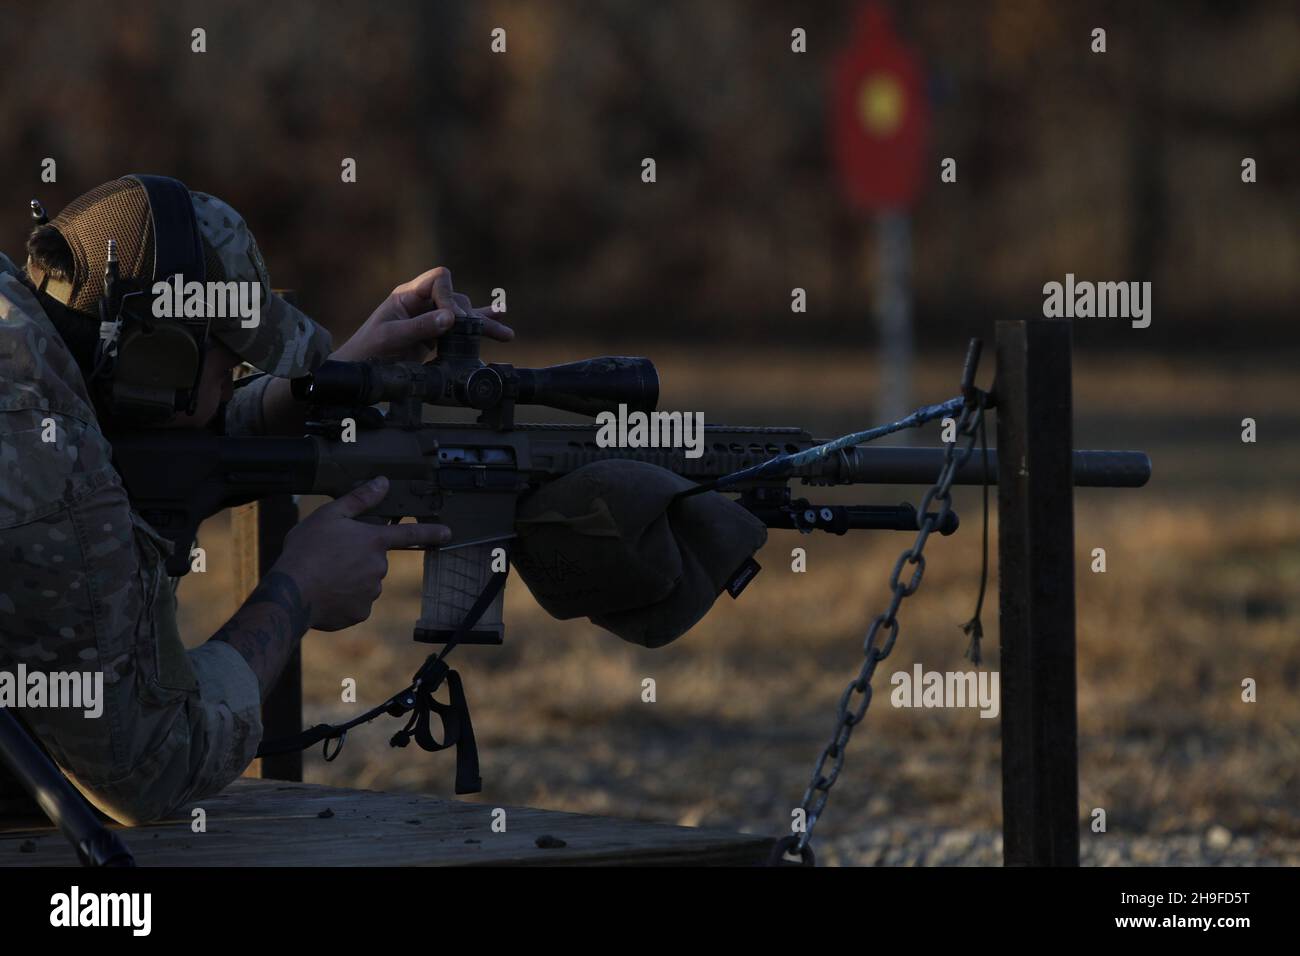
(339, 562)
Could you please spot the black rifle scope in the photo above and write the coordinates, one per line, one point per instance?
(456, 376)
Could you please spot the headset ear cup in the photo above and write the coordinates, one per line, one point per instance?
(164, 356)
(158, 362)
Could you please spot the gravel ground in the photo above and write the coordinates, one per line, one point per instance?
(904, 845)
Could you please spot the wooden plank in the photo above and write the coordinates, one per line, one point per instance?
(1040, 763)
(268, 823)
(258, 531)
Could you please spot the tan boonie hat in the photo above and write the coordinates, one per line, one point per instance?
(285, 342)
(609, 542)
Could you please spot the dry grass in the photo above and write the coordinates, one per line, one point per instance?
(1200, 593)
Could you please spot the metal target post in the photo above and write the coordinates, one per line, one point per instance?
(879, 115)
(893, 314)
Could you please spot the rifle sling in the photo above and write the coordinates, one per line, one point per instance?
(417, 698)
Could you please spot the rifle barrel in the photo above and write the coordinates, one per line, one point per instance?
(887, 465)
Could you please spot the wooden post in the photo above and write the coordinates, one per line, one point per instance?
(1040, 762)
(259, 529)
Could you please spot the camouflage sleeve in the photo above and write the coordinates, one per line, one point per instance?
(244, 410)
(87, 594)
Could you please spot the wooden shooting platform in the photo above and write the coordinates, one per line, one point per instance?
(275, 823)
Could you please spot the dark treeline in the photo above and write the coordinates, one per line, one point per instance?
(522, 170)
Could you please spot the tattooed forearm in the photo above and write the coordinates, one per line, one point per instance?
(279, 589)
(267, 627)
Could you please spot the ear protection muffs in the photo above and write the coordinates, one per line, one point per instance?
(148, 366)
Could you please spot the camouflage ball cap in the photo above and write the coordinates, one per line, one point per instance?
(285, 342)
(611, 542)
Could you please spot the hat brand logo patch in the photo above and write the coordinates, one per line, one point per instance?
(653, 430)
(177, 298)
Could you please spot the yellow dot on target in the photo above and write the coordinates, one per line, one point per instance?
(880, 104)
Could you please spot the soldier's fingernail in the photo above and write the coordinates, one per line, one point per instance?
(378, 484)
(444, 319)
(444, 535)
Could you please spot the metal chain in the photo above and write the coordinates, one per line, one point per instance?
(850, 713)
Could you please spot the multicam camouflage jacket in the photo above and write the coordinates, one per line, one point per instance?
(83, 589)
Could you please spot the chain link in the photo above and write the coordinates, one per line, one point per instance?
(850, 712)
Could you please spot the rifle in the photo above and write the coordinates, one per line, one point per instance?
(470, 476)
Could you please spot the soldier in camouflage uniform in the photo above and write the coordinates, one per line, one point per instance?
(82, 580)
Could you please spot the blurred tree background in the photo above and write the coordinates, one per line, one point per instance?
(522, 170)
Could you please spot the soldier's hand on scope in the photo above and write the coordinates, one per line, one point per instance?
(406, 324)
(339, 563)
